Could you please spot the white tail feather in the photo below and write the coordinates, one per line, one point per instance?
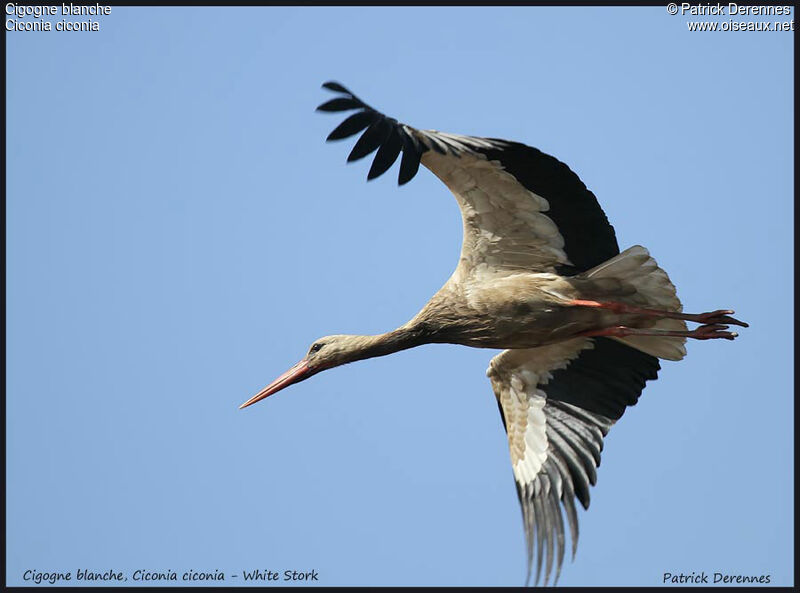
(636, 267)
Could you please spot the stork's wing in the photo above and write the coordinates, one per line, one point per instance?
(557, 404)
(522, 209)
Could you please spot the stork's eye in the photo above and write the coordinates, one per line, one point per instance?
(316, 347)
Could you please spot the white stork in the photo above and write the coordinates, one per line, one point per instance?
(540, 274)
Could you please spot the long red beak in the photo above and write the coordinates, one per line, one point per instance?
(297, 373)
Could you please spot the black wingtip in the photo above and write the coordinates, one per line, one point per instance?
(340, 104)
(352, 125)
(370, 140)
(380, 132)
(387, 155)
(335, 86)
(409, 164)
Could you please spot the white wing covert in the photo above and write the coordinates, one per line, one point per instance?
(521, 208)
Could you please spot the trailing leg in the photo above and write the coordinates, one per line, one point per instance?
(704, 332)
(720, 316)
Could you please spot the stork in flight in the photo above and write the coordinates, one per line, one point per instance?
(541, 276)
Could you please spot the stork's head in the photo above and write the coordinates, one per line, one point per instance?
(325, 353)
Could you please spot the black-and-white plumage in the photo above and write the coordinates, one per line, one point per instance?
(557, 401)
(588, 238)
(541, 276)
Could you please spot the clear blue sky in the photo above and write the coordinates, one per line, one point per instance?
(179, 233)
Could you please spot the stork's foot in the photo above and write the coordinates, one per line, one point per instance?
(720, 316)
(712, 331)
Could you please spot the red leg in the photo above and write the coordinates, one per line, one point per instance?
(704, 332)
(711, 318)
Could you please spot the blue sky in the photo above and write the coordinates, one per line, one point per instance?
(178, 233)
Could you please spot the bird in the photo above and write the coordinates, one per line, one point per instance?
(581, 325)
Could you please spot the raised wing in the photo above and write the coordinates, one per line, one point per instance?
(557, 404)
(522, 209)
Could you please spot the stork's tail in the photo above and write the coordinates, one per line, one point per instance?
(635, 267)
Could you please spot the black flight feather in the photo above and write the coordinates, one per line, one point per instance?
(336, 87)
(370, 140)
(409, 165)
(353, 125)
(387, 155)
(340, 104)
(382, 132)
